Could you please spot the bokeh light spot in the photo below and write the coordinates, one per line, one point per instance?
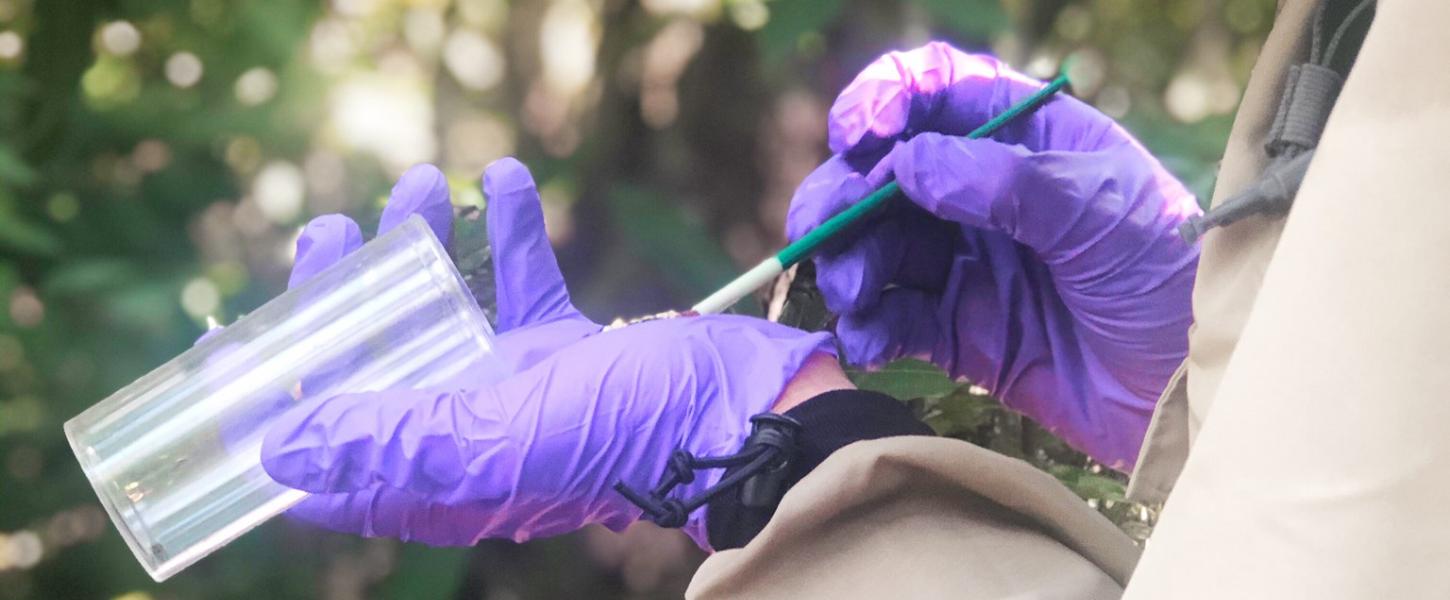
(475, 141)
(424, 28)
(749, 15)
(184, 69)
(23, 413)
(665, 59)
(110, 82)
(473, 60)
(200, 297)
(332, 45)
(487, 14)
(1114, 101)
(11, 45)
(696, 9)
(1043, 65)
(355, 8)
(557, 198)
(229, 276)
(120, 38)
(279, 190)
(568, 37)
(26, 549)
(244, 154)
(26, 309)
(1088, 69)
(1074, 23)
(151, 155)
(63, 206)
(256, 86)
(392, 117)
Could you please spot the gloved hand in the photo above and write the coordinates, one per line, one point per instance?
(1043, 263)
(535, 454)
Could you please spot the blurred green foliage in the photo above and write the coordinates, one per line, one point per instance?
(967, 412)
(157, 158)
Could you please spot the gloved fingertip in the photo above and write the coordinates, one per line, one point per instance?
(890, 96)
(529, 286)
(323, 242)
(973, 182)
(902, 323)
(504, 178)
(840, 277)
(872, 108)
(422, 190)
(853, 278)
(287, 457)
(862, 341)
(828, 190)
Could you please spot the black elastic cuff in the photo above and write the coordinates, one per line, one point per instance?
(830, 421)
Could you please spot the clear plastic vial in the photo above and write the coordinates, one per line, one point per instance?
(175, 456)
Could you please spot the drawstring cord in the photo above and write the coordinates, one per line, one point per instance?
(766, 459)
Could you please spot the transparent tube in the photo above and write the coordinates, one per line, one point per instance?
(175, 456)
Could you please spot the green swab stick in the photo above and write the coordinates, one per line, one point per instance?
(765, 272)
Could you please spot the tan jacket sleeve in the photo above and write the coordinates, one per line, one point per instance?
(923, 517)
(1323, 469)
(1231, 267)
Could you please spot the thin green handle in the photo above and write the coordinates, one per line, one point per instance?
(803, 248)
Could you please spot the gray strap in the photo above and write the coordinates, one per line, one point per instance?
(1304, 108)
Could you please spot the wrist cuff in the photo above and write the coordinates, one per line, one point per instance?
(829, 422)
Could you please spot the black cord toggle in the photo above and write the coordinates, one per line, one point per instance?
(767, 457)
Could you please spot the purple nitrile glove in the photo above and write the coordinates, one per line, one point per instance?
(537, 453)
(1043, 264)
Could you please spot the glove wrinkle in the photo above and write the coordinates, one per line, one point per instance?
(1069, 296)
(536, 453)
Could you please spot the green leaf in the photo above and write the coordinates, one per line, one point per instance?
(791, 19)
(89, 276)
(906, 379)
(147, 306)
(9, 280)
(13, 170)
(672, 241)
(425, 572)
(23, 236)
(963, 412)
(21, 415)
(1089, 485)
(979, 19)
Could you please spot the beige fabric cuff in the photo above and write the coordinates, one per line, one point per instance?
(925, 517)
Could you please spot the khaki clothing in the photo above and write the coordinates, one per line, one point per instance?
(1231, 265)
(1306, 440)
(924, 517)
(1322, 469)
